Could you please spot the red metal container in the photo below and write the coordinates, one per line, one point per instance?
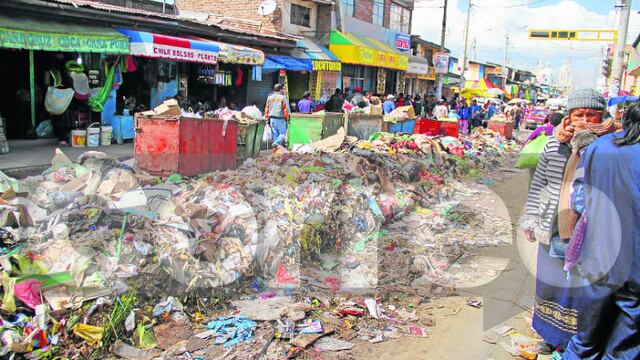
(427, 127)
(505, 129)
(165, 145)
(449, 128)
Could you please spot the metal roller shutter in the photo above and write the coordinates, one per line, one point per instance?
(257, 91)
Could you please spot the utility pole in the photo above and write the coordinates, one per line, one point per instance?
(623, 7)
(466, 43)
(475, 53)
(442, 38)
(505, 62)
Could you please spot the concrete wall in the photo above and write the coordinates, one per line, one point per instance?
(290, 28)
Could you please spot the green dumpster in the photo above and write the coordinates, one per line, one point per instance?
(363, 126)
(307, 128)
(249, 140)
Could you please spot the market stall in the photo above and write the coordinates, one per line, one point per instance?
(56, 75)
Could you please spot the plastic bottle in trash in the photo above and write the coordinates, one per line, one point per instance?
(63, 198)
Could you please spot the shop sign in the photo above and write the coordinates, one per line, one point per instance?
(441, 61)
(366, 55)
(326, 65)
(417, 68)
(18, 39)
(431, 74)
(403, 42)
(174, 53)
(235, 55)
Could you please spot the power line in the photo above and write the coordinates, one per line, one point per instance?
(534, 2)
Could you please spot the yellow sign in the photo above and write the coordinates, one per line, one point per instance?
(351, 54)
(326, 65)
(573, 35)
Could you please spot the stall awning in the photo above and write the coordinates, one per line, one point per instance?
(170, 47)
(32, 34)
(236, 54)
(418, 66)
(322, 59)
(287, 62)
(366, 51)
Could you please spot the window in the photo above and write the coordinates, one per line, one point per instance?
(378, 12)
(300, 15)
(399, 18)
(349, 7)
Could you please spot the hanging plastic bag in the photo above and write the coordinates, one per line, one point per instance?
(267, 137)
(530, 154)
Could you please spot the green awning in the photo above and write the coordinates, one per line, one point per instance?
(32, 34)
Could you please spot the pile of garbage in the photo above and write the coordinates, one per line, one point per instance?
(290, 254)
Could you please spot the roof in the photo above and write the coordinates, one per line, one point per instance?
(114, 8)
(418, 40)
(237, 25)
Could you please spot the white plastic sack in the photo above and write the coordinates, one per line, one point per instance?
(268, 135)
(252, 112)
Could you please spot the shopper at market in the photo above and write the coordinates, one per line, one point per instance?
(441, 110)
(475, 115)
(334, 104)
(277, 111)
(400, 100)
(550, 122)
(388, 106)
(417, 105)
(463, 123)
(606, 245)
(347, 94)
(547, 220)
(304, 105)
(491, 110)
(357, 99)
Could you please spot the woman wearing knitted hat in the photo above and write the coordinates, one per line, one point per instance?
(607, 250)
(549, 219)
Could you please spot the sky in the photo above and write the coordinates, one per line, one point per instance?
(492, 20)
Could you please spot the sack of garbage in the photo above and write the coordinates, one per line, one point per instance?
(530, 154)
(252, 112)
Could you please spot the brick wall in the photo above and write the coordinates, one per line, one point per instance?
(239, 9)
(363, 10)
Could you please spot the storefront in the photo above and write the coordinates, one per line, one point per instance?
(55, 71)
(369, 63)
(204, 75)
(311, 67)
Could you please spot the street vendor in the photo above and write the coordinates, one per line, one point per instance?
(277, 111)
(548, 218)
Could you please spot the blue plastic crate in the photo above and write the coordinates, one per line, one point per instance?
(122, 128)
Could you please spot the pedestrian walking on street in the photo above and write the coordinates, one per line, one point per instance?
(606, 245)
(547, 216)
(417, 105)
(277, 111)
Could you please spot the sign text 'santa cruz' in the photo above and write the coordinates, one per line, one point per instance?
(18, 39)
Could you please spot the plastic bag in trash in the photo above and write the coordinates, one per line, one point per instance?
(252, 112)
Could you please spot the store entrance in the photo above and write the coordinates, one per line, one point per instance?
(15, 106)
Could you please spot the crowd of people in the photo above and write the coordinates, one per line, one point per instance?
(583, 211)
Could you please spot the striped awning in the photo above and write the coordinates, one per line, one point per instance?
(322, 59)
(171, 47)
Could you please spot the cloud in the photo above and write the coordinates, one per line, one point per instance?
(492, 20)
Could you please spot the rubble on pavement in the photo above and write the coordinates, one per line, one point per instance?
(294, 254)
